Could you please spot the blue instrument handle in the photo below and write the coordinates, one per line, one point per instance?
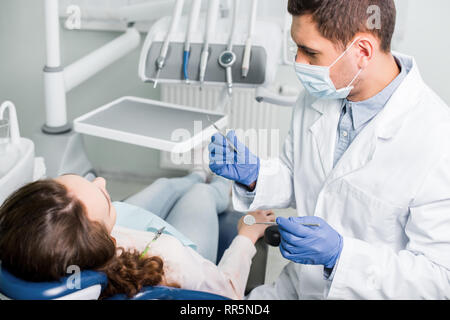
(186, 56)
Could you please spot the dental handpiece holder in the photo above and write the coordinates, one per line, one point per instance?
(265, 53)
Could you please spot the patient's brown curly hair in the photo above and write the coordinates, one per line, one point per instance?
(44, 230)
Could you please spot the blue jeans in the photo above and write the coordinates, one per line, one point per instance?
(189, 205)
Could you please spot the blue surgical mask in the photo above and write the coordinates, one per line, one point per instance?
(317, 80)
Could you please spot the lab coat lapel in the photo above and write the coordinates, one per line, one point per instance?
(384, 126)
(324, 131)
(358, 155)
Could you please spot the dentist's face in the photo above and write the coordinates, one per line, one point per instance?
(314, 49)
(94, 197)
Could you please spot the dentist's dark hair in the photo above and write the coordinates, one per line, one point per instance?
(340, 20)
(44, 229)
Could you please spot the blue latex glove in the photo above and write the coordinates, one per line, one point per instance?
(242, 167)
(309, 245)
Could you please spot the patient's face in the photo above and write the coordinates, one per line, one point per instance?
(94, 197)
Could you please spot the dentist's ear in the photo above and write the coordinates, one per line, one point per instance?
(365, 47)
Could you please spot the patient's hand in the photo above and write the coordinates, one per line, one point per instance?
(257, 230)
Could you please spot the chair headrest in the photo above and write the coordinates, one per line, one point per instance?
(18, 289)
(169, 293)
(15, 288)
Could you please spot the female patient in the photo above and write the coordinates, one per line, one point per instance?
(49, 225)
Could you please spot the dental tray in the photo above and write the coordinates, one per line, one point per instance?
(150, 123)
(265, 55)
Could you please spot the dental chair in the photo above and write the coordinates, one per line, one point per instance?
(91, 286)
(92, 283)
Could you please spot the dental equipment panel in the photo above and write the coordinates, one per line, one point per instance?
(265, 54)
(150, 123)
(214, 75)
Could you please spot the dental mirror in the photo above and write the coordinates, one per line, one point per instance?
(250, 220)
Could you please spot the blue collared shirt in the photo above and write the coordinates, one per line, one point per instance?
(355, 116)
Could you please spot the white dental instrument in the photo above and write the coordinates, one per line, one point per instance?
(193, 23)
(161, 61)
(222, 134)
(213, 11)
(248, 44)
(228, 58)
(250, 220)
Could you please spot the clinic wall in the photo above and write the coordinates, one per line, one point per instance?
(425, 37)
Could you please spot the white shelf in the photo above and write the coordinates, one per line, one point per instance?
(151, 124)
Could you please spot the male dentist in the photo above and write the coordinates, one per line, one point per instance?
(367, 159)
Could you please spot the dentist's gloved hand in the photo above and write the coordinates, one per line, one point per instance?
(242, 167)
(309, 245)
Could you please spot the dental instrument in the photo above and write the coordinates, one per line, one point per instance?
(161, 61)
(250, 220)
(222, 134)
(248, 44)
(228, 58)
(193, 23)
(213, 11)
(157, 235)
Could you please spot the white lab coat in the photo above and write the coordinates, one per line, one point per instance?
(389, 197)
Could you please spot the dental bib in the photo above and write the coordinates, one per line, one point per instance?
(133, 217)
